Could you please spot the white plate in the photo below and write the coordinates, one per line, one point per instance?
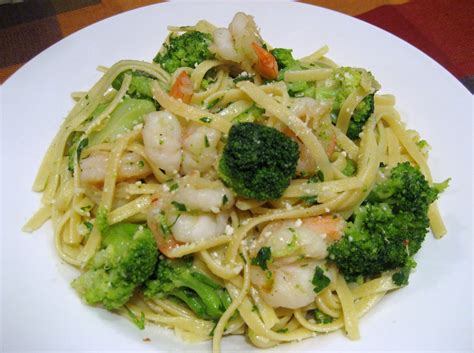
(39, 309)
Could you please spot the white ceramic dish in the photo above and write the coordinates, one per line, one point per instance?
(39, 309)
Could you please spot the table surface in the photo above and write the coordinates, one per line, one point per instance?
(443, 29)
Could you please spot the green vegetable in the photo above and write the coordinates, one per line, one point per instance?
(179, 206)
(187, 49)
(342, 82)
(350, 169)
(284, 58)
(320, 280)
(125, 116)
(89, 226)
(285, 61)
(138, 321)
(264, 256)
(400, 278)
(139, 85)
(322, 318)
(336, 88)
(309, 200)
(251, 115)
(388, 228)
(316, 178)
(206, 119)
(126, 259)
(77, 147)
(258, 162)
(72, 144)
(179, 279)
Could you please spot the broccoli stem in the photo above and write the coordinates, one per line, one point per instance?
(124, 117)
(192, 300)
(208, 294)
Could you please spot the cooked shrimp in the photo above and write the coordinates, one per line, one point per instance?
(309, 237)
(241, 43)
(245, 32)
(172, 228)
(191, 229)
(288, 287)
(199, 148)
(182, 87)
(193, 213)
(224, 45)
(306, 163)
(309, 109)
(297, 247)
(162, 140)
(316, 115)
(266, 63)
(204, 195)
(94, 167)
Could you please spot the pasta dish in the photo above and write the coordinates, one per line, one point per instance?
(228, 188)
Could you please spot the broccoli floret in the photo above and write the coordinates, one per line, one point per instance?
(139, 85)
(127, 258)
(336, 88)
(188, 49)
(179, 279)
(258, 162)
(361, 113)
(342, 82)
(285, 62)
(388, 229)
(406, 190)
(284, 58)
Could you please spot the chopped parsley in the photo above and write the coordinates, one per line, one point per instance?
(309, 200)
(264, 255)
(206, 119)
(316, 178)
(320, 281)
(179, 206)
(213, 103)
(89, 226)
(322, 318)
(86, 208)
